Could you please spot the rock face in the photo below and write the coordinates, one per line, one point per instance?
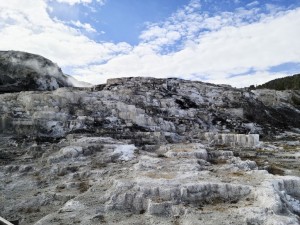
(21, 71)
(233, 140)
(144, 151)
(145, 110)
(288, 98)
(95, 180)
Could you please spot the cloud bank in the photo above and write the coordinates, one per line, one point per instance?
(238, 48)
(73, 2)
(28, 27)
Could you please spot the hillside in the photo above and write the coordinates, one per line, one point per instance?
(142, 150)
(285, 83)
(22, 71)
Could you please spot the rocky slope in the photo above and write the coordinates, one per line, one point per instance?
(147, 111)
(95, 180)
(147, 151)
(21, 71)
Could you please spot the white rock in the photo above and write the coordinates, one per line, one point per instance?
(71, 151)
(126, 152)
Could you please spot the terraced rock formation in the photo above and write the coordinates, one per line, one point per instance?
(94, 180)
(144, 150)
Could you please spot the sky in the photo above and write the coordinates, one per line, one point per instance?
(235, 42)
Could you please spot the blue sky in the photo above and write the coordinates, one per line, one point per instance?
(236, 42)
(118, 20)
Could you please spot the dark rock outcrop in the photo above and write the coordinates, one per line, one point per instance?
(21, 71)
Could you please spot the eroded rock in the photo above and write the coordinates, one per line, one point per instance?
(145, 151)
(21, 71)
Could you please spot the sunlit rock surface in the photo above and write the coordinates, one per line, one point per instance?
(233, 140)
(145, 110)
(21, 71)
(145, 151)
(87, 180)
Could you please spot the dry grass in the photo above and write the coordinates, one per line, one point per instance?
(97, 163)
(266, 152)
(83, 186)
(66, 170)
(158, 175)
(237, 174)
(290, 148)
(218, 161)
(182, 150)
(275, 170)
(30, 210)
(59, 188)
(157, 199)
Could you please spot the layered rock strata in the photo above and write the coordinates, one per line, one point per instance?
(145, 110)
(233, 140)
(144, 150)
(92, 180)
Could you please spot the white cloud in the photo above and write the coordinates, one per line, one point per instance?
(190, 44)
(101, 2)
(230, 46)
(73, 2)
(257, 78)
(85, 26)
(28, 27)
(184, 24)
(252, 4)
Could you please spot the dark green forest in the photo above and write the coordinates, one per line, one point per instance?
(285, 83)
